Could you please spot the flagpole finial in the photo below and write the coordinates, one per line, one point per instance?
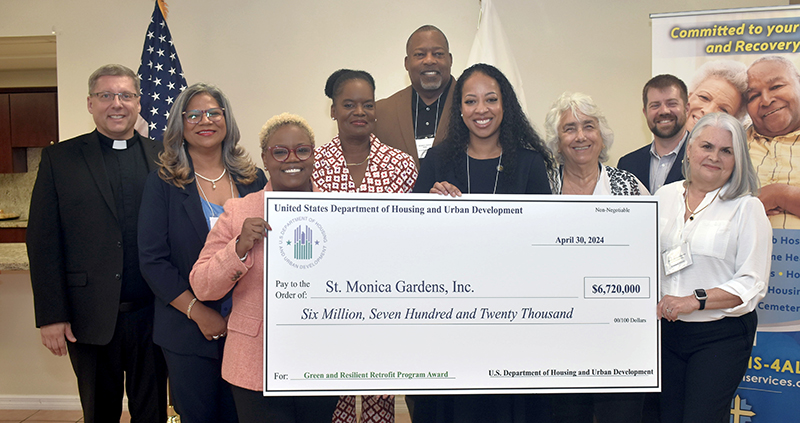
(480, 12)
(162, 4)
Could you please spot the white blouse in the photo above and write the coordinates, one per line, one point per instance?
(731, 249)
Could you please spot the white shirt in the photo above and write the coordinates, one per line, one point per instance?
(731, 247)
(661, 165)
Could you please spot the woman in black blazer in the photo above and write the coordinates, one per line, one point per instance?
(201, 167)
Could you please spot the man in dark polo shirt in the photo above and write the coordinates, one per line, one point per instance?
(89, 295)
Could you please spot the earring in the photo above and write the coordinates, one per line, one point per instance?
(333, 118)
(462, 115)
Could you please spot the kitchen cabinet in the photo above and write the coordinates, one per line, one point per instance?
(28, 118)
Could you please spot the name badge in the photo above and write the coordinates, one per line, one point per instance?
(212, 221)
(423, 144)
(677, 258)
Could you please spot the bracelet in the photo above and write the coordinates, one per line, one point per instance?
(189, 309)
(245, 253)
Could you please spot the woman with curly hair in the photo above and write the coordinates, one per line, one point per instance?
(490, 146)
(201, 168)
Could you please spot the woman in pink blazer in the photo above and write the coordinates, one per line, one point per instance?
(233, 259)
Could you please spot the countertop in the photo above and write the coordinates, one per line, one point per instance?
(14, 223)
(14, 256)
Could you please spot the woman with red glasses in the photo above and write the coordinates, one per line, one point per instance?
(233, 260)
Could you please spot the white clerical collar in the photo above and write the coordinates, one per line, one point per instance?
(120, 145)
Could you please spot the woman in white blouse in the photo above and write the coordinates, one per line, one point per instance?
(716, 243)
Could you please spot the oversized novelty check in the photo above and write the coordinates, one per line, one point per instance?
(413, 294)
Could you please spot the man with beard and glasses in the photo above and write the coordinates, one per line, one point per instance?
(665, 108)
(415, 118)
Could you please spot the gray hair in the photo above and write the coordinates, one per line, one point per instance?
(730, 71)
(574, 103)
(174, 160)
(114, 70)
(786, 63)
(743, 179)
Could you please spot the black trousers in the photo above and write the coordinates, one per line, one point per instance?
(607, 408)
(130, 362)
(702, 364)
(199, 393)
(497, 408)
(254, 407)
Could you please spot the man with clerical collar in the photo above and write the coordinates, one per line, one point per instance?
(665, 108)
(90, 298)
(416, 117)
(773, 103)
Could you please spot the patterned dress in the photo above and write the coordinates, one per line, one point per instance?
(389, 170)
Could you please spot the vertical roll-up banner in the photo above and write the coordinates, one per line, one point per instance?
(682, 43)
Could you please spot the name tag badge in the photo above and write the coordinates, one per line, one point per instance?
(677, 258)
(423, 144)
(213, 221)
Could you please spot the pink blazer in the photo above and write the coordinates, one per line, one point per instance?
(218, 270)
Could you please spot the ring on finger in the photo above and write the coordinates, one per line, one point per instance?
(215, 337)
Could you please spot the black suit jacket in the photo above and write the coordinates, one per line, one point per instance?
(638, 163)
(172, 232)
(74, 238)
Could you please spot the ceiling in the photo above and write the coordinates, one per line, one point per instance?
(27, 53)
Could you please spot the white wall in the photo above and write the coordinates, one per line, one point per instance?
(271, 57)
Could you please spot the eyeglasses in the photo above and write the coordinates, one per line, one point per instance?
(107, 97)
(281, 153)
(195, 116)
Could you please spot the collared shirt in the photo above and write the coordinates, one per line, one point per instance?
(426, 117)
(661, 165)
(777, 161)
(731, 247)
(389, 169)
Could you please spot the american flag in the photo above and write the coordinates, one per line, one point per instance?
(161, 76)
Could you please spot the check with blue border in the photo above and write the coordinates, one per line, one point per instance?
(423, 294)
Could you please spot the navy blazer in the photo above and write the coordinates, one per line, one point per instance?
(75, 240)
(638, 163)
(172, 232)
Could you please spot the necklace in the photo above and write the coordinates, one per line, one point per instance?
(213, 214)
(496, 175)
(356, 164)
(692, 213)
(213, 181)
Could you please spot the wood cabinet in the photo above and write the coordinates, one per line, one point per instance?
(28, 118)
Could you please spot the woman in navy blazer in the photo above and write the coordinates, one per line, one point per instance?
(179, 206)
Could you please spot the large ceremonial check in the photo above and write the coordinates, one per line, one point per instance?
(412, 294)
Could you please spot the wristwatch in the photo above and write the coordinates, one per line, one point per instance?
(701, 296)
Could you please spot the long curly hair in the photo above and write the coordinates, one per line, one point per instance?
(174, 162)
(516, 131)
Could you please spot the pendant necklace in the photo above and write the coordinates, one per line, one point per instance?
(499, 169)
(213, 181)
(213, 214)
(692, 213)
